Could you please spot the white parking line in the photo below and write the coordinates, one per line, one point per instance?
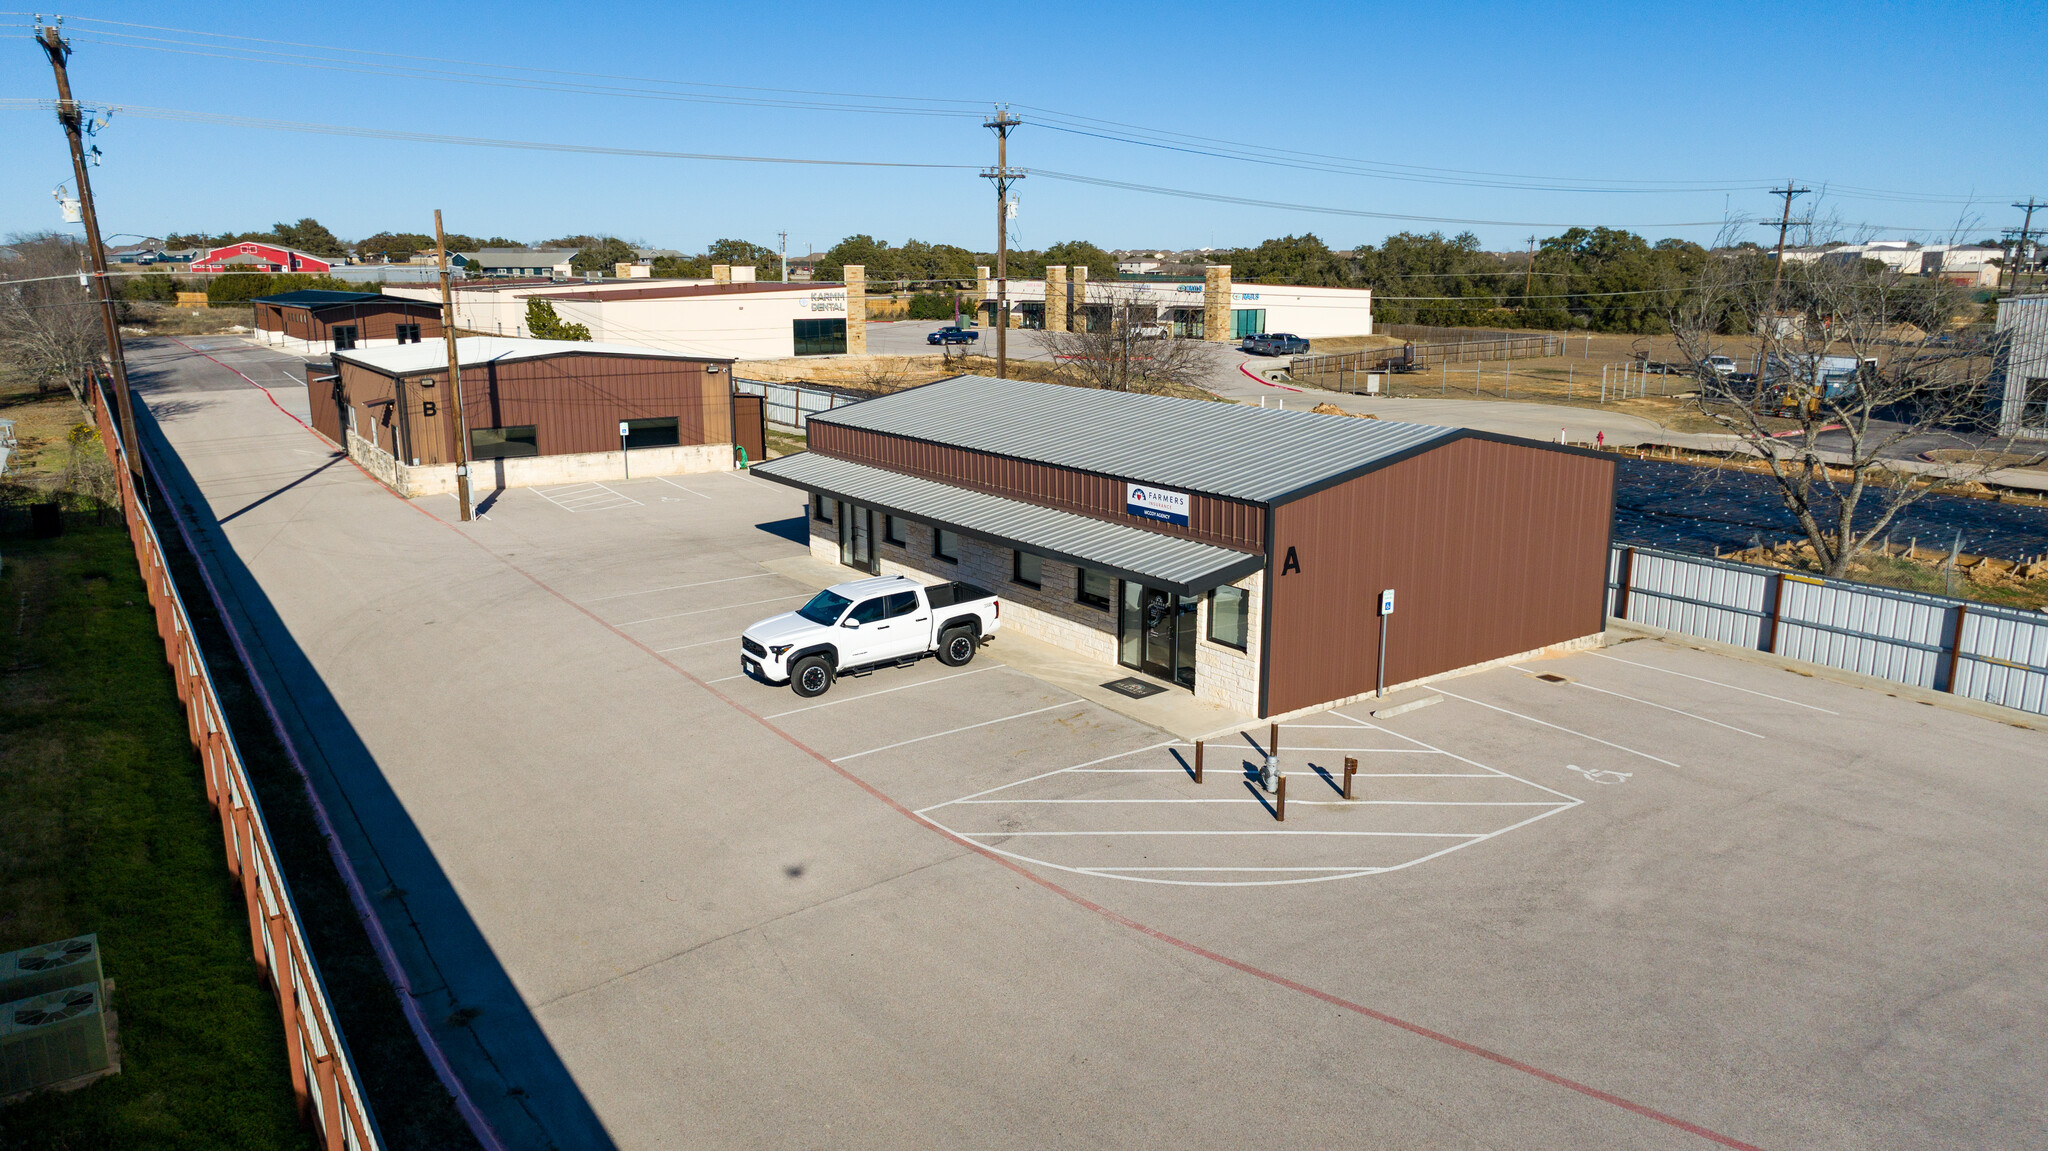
(677, 587)
(1311, 802)
(1049, 774)
(709, 610)
(884, 691)
(1715, 682)
(699, 643)
(590, 497)
(955, 731)
(1366, 834)
(1650, 703)
(1456, 756)
(1566, 730)
(673, 484)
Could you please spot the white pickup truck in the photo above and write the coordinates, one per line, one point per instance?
(867, 624)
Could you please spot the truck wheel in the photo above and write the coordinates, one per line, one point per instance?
(956, 647)
(811, 677)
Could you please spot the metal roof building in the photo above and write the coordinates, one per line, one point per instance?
(1237, 552)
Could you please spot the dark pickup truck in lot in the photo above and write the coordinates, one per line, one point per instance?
(1273, 344)
(950, 335)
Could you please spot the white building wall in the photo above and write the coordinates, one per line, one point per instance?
(1052, 612)
(740, 325)
(1303, 311)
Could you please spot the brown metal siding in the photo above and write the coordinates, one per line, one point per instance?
(574, 403)
(1232, 523)
(327, 415)
(375, 320)
(1491, 549)
(750, 426)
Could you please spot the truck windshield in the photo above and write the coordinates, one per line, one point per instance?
(824, 608)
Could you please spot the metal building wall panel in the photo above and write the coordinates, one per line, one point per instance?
(1492, 549)
(2004, 660)
(1713, 602)
(1231, 523)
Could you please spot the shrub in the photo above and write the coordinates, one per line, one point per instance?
(932, 306)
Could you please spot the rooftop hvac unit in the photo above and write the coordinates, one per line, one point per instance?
(53, 1038)
(50, 967)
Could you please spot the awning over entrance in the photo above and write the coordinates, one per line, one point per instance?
(1171, 563)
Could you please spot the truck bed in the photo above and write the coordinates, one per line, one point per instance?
(953, 592)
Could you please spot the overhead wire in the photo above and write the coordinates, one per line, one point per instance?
(365, 60)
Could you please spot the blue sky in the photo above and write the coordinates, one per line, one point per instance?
(1720, 100)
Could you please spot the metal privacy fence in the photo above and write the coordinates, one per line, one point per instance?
(1998, 655)
(790, 406)
(323, 1075)
(1482, 346)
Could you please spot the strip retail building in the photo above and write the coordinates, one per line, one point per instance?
(1238, 553)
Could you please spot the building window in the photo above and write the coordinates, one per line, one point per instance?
(1027, 569)
(1230, 617)
(502, 443)
(946, 545)
(1247, 322)
(821, 509)
(408, 333)
(820, 337)
(1094, 588)
(345, 338)
(659, 433)
(892, 531)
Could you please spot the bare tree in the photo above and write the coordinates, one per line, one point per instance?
(1853, 369)
(1124, 345)
(49, 325)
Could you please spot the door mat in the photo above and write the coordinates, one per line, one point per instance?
(1134, 687)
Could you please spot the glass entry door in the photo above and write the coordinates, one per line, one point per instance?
(857, 537)
(1156, 633)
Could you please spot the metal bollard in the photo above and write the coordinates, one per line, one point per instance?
(1350, 769)
(1280, 801)
(1273, 740)
(1198, 761)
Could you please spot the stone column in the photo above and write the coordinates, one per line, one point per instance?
(1216, 303)
(1055, 297)
(1077, 298)
(856, 277)
(981, 279)
(721, 273)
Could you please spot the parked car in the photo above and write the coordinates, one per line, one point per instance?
(952, 335)
(1273, 344)
(867, 624)
(1151, 331)
(1723, 366)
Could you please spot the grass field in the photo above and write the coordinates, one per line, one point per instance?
(104, 827)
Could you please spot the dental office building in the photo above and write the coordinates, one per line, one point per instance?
(1237, 553)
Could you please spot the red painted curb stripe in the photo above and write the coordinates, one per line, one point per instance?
(1241, 367)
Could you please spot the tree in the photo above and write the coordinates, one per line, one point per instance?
(1301, 259)
(393, 246)
(577, 242)
(310, 235)
(1126, 346)
(543, 324)
(50, 327)
(154, 288)
(1856, 372)
(1078, 254)
(604, 256)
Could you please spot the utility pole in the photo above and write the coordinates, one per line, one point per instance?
(1784, 225)
(454, 373)
(2018, 259)
(784, 249)
(1003, 176)
(69, 115)
(1529, 281)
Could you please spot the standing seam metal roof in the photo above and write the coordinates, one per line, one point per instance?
(1219, 449)
(1175, 563)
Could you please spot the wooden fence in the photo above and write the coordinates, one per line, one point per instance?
(324, 1078)
(1334, 370)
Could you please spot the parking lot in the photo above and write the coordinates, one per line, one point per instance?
(1647, 896)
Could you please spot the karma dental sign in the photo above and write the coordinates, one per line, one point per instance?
(1156, 504)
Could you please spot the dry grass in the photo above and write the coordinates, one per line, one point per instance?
(164, 320)
(1924, 570)
(41, 423)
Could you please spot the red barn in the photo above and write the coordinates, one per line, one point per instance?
(253, 256)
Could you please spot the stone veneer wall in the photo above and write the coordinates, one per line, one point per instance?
(1216, 303)
(1055, 297)
(856, 278)
(1051, 613)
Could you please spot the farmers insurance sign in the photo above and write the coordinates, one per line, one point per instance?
(1156, 503)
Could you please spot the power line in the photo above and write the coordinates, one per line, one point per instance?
(508, 75)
